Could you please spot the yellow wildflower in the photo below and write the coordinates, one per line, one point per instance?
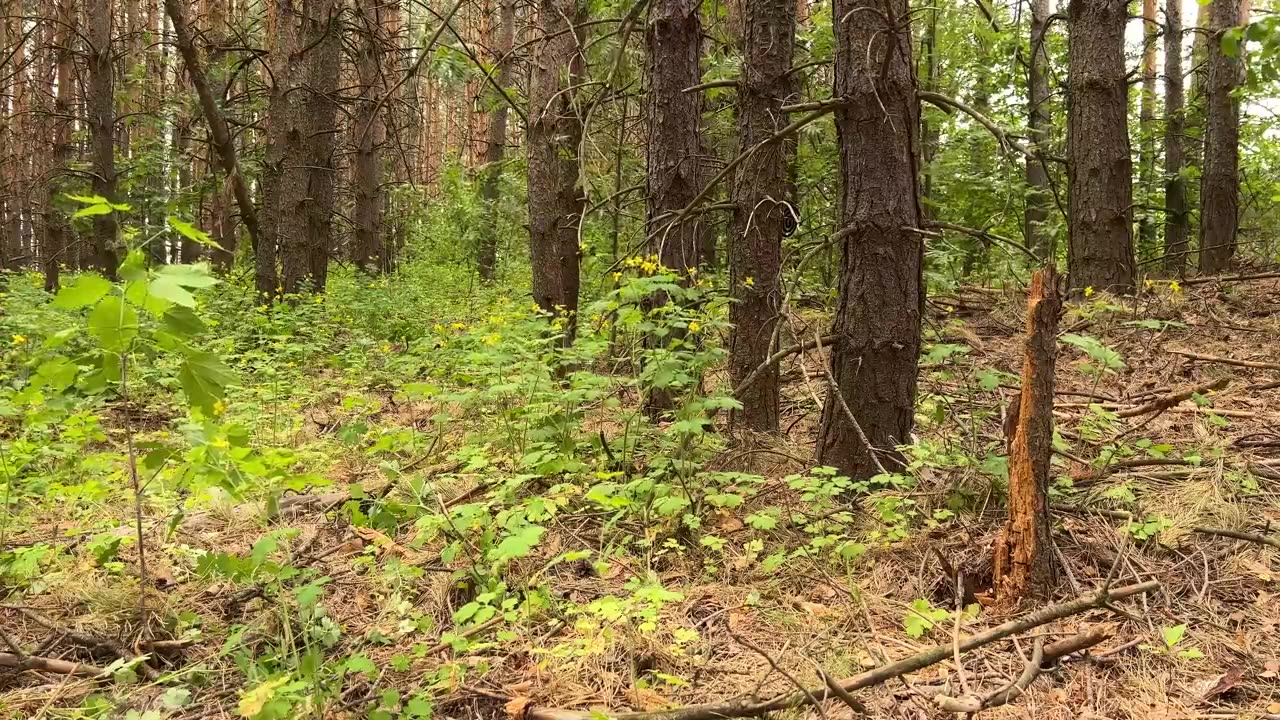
(1088, 292)
(439, 328)
(1174, 286)
(648, 267)
(458, 326)
(617, 276)
(19, 339)
(219, 407)
(695, 326)
(749, 281)
(1148, 283)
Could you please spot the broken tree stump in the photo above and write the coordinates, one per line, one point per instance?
(1022, 556)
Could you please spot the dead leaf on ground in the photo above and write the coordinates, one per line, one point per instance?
(517, 707)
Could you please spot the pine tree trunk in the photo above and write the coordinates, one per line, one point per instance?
(556, 198)
(100, 104)
(1100, 255)
(10, 215)
(1177, 223)
(1220, 178)
(673, 41)
(759, 193)
(369, 134)
(1022, 560)
(1038, 237)
(57, 230)
(323, 33)
(497, 143)
(881, 300)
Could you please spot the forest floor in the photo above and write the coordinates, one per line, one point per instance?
(652, 619)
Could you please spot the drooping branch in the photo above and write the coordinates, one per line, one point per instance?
(218, 131)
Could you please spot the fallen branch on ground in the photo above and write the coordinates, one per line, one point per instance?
(1221, 532)
(1231, 278)
(62, 667)
(1164, 402)
(752, 707)
(1225, 360)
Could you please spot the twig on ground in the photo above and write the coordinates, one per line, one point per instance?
(834, 686)
(1165, 402)
(1225, 360)
(813, 700)
(33, 662)
(751, 707)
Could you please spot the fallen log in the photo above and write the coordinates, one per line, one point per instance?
(62, 667)
(1255, 364)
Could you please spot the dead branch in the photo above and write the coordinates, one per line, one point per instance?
(1165, 402)
(62, 667)
(1225, 360)
(1221, 532)
(1232, 278)
(753, 707)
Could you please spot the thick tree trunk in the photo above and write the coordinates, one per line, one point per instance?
(1038, 237)
(1100, 255)
(882, 288)
(370, 132)
(1220, 178)
(1177, 222)
(102, 129)
(1147, 128)
(673, 41)
(497, 143)
(57, 231)
(556, 198)
(323, 34)
(759, 193)
(1022, 560)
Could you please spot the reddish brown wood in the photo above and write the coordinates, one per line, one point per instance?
(1021, 559)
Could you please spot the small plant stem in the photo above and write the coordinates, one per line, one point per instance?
(137, 488)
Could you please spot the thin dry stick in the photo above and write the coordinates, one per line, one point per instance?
(750, 707)
(835, 390)
(32, 662)
(813, 700)
(1225, 360)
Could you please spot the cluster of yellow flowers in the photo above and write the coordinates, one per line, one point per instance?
(647, 264)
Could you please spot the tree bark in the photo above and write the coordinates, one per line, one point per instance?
(1177, 222)
(1037, 236)
(496, 145)
(556, 198)
(673, 40)
(1220, 178)
(882, 288)
(759, 193)
(218, 132)
(1022, 562)
(370, 134)
(100, 104)
(1100, 255)
(57, 230)
(323, 34)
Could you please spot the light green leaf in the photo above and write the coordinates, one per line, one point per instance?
(113, 323)
(518, 544)
(191, 232)
(167, 289)
(90, 210)
(189, 276)
(84, 291)
(204, 379)
(1173, 635)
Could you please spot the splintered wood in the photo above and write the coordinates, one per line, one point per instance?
(1021, 565)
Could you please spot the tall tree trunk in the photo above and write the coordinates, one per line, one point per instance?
(1038, 237)
(10, 37)
(370, 134)
(1177, 222)
(102, 128)
(930, 134)
(323, 35)
(1100, 255)
(556, 197)
(1147, 128)
(870, 410)
(673, 41)
(1220, 178)
(497, 143)
(57, 231)
(759, 193)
